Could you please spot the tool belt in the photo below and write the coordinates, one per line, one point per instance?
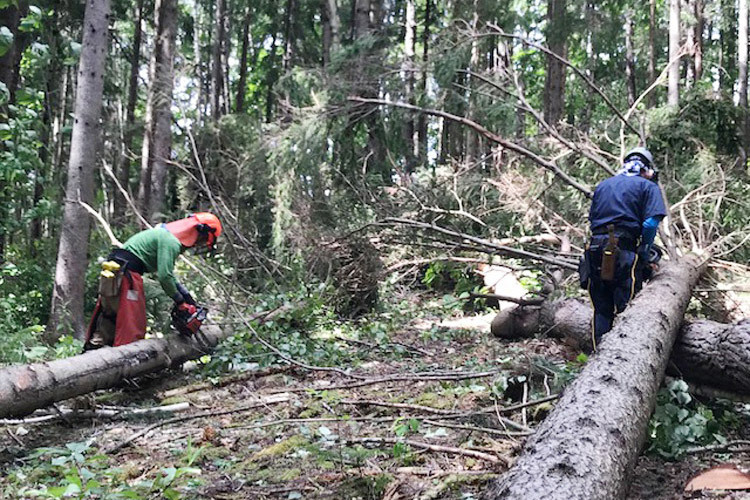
(127, 260)
(607, 242)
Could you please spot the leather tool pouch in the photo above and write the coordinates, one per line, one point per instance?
(609, 256)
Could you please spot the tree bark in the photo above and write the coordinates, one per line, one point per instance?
(742, 40)
(673, 83)
(161, 88)
(24, 388)
(70, 272)
(690, 44)
(217, 78)
(10, 17)
(408, 68)
(198, 64)
(652, 51)
(629, 57)
(422, 119)
(728, 39)
(331, 29)
(589, 443)
(242, 82)
(289, 11)
(123, 168)
(554, 83)
(700, 23)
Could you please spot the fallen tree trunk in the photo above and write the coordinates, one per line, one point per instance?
(589, 443)
(24, 388)
(708, 353)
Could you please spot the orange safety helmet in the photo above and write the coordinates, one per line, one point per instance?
(189, 229)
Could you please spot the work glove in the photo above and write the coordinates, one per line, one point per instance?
(183, 295)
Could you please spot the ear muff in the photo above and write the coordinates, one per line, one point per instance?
(209, 232)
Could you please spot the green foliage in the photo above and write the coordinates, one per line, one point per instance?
(679, 422)
(77, 471)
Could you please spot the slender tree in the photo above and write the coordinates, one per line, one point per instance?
(422, 118)
(673, 84)
(217, 73)
(331, 28)
(70, 272)
(161, 90)
(239, 102)
(742, 40)
(700, 23)
(123, 169)
(652, 50)
(554, 83)
(408, 69)
(629, 57)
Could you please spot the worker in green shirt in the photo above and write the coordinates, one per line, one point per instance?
(120, 314)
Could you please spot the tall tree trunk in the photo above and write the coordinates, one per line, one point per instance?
(700, 23)
(288, 34)
(742, 40)
(408, 68)
(198, 64)
(161, 89)
(554, 82)
(471, 138)
(70, 272)
(52, 93)
(629, 57)
(217, 76)
(123, 169)
(652, 51)
(422, 118)
(272, 74)
(728, 39)
(588, 445)
(592, 28)
(673, 84)
(690, 44)
(242, 82)
(331, 29)
(361, 18)
(226, 51)
(10, 17)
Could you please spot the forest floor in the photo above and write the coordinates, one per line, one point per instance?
(430, 417)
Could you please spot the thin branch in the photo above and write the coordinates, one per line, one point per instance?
(488, 134)
(499, 31)
(502, 249)
(432, 447)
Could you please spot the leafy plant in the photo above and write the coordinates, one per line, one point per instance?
(679, 422)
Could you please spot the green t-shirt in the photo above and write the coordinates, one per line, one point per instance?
(158, 249)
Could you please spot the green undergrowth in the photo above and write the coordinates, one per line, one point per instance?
(681, 422)
(77, 470)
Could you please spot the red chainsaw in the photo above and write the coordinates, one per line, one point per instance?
(188, 323)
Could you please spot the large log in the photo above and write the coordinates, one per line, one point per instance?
(588, 444)
(24, 388)
(708, 353)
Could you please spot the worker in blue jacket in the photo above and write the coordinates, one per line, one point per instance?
(630, 206)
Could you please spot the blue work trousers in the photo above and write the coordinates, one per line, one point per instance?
(611, 297)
